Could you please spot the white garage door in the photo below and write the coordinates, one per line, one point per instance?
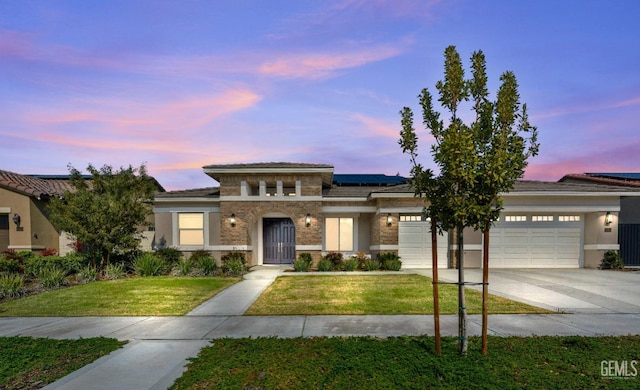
(546, 244)
(414, 245)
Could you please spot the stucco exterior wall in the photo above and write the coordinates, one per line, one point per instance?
(36, 232)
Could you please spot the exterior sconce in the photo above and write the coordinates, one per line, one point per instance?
(232, 220)
(389, 219)
(307, 220)
(608, 218)
(16, 220)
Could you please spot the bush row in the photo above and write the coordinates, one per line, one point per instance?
(335, 261)
(17, 269)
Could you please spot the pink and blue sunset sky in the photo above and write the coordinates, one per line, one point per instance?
(182, 84)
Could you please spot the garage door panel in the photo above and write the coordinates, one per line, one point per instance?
(530, 247)
(414, 245)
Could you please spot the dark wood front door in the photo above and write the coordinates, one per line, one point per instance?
(279, 240)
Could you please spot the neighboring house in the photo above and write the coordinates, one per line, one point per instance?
(24, 225)
(274, 211)
(629, 223)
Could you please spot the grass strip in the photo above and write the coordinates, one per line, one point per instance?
(152, 296)
(30, 363)
(372, 294)
(410, 363)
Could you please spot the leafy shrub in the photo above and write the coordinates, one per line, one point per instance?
(11, 285)
(87, 274)
(361, 257)
(325, 265)
(351, 264)
(612, 260)
(234, 256)
(204, 261)
(148, 264)
(390, 261)
(183, 267)
(171, 255)
(303, 262)
(10, 266)
(336, 259)
(234, 263)
(52, 276)
(69, 264)
(114, 271)
(233, 267)
(392, 265)
(371, 265)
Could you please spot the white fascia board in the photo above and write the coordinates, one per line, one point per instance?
(570, 193)
(345, 199)
(186, 209)
(254, 170)
(186, 200)
(349, 209)
(559, 209)
(401, 210)
(393, 195)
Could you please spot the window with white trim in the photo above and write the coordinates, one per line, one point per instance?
(569, 218)
(338, 234)
(515, 218)
(542, 218)
(410, 218)
(190, 228)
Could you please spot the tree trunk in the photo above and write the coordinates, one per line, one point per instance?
(436, 300)
(485, 289)
(462, 306)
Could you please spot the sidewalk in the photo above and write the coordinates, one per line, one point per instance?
(160, 346)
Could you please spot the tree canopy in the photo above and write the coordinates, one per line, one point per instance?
(107, 212)
(477, 161)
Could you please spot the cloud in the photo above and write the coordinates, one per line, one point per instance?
(595, 159)
(588, 108)
(184, 114)
(323, 65)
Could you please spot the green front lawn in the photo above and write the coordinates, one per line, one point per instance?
(28, 363)
(372, 294)
(410, 363)
(153, 296)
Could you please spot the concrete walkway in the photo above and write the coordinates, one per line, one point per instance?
(603, 303)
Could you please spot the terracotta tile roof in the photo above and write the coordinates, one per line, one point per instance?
(597, 178)
(34, 185)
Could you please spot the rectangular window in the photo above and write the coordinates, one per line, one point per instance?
(569, 218)
(542, 218)
(515, 218)
(339, 234)
(191, 228)
(410, 218)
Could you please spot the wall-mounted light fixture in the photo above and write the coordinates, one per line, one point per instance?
(16, 220)
(608, 218)
(389, 219)
(307, 220)
(232, 220)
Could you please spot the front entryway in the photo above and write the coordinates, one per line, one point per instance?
(279, 240)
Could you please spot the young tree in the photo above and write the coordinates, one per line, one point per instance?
(477, 161)
(107, 212)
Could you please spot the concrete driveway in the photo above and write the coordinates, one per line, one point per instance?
(585, 291)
